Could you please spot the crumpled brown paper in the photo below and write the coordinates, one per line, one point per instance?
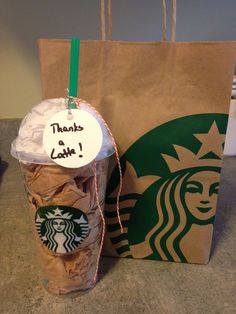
(55, 185)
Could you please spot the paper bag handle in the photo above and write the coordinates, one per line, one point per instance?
(109, 9)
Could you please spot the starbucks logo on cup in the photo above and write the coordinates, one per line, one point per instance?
(62, 229)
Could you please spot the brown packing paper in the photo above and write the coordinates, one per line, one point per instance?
(49, 185)
(143, 89)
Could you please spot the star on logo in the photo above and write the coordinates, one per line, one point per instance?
(211, 141)
(57, 212)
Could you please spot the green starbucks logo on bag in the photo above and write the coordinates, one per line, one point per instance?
(62, 229)
(171, 182)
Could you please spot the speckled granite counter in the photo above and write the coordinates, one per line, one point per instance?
(125, 286)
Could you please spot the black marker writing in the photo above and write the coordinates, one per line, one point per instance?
(65, 153)
(60, 129)
(80, 146)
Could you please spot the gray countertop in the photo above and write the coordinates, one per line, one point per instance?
(125, 285)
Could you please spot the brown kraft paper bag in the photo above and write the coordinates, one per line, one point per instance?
(167, 106)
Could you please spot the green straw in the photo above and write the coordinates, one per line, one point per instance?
(74, 67)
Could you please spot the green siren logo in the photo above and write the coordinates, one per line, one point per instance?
(170, 186)
(61, 229)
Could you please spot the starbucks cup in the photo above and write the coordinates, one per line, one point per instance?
(63, 203)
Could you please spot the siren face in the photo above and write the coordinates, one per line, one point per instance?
(58, 225)
(201, 194)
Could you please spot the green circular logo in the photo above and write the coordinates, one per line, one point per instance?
(170, 186)
(62, 229)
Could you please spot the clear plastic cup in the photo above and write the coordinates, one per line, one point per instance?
(49, 185)
(65, 216)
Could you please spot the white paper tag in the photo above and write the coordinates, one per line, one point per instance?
(72, 143)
